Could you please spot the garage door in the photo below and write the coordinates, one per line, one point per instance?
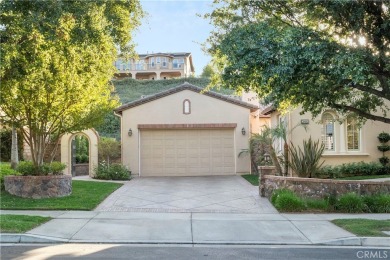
(187, 152)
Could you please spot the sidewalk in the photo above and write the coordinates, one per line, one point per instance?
(192, 228)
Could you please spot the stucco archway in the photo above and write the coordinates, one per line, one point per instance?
(66, 141)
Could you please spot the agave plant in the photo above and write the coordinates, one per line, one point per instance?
(307, 161)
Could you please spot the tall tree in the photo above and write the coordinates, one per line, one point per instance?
(207, 71)
(314, 54)
(56, 62)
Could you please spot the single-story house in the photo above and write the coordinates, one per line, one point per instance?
(345, 140)
(185, 131)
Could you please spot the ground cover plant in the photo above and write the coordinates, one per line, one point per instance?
(287, 201)
(364, 227)
(20, 223)
(86, 195)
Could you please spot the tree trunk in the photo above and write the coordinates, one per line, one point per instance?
(285, 154)
(14, 149)
(275, 160)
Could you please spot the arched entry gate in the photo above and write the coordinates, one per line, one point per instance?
(66, 150)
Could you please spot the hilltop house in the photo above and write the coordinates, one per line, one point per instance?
(156, 66)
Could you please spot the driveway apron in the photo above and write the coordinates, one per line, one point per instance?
(210, 194)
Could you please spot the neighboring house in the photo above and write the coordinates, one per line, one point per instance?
(186, 132)
(345, 141)
(157, 66)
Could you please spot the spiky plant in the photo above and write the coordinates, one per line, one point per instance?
(305, 162)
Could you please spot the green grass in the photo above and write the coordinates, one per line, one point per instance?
(364, 227)
(252, 179)
(365, 177)
(86, 195)
(129, 89)
(20, 223)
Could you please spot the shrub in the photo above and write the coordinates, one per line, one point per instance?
(278, 192)
(287, 201)
(351, 203)
(352, 169)
(328, 172)
(111, 172)
(28, 168)
(5, 169)
(307, 161)
(57, 168)
(377, 203)
(384, 160)
(384, 147)
(319, 204)
(383, 137)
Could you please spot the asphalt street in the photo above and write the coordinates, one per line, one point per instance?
(112, 251)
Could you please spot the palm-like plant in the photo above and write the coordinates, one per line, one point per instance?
(307, 161)
(266, 140)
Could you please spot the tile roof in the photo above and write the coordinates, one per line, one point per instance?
(268, 110)
(185, 86)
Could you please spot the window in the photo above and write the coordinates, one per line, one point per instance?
(186, 107)
(164, 61)
(178, 63)
(140, 65)
(152, 62)
(353, 134)
(158, 60)
(328, 131)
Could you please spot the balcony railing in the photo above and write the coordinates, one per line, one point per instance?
(150, 66)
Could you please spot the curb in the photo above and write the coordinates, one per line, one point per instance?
(375, 241)
(352, 241)
(25, 238)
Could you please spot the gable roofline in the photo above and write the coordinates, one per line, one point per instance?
(184, 86)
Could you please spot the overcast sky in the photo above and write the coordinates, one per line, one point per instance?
(173, 26)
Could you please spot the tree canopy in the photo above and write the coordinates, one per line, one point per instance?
(314, 54)
(57, 62)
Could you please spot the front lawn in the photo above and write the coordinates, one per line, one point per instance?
(365, 177)
(86, 195)
(20, 223)
(253, 179)
(364, 227)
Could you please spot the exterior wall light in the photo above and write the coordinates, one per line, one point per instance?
(243, 132)
(267, 157)
(130, 132)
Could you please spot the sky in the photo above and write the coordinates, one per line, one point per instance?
(173, 26)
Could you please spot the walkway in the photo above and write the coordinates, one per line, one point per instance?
(190, 228)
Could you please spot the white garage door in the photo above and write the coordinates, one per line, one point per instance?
(187, 152)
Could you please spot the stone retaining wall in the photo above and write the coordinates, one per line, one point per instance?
(320, 188)
(37, 187)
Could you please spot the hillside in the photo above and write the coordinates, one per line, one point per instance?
(129, 89)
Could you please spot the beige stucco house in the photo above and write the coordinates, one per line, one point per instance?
(184, 132)
(156, 66)
(345, 141)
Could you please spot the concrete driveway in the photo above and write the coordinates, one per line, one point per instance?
(211, 194)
